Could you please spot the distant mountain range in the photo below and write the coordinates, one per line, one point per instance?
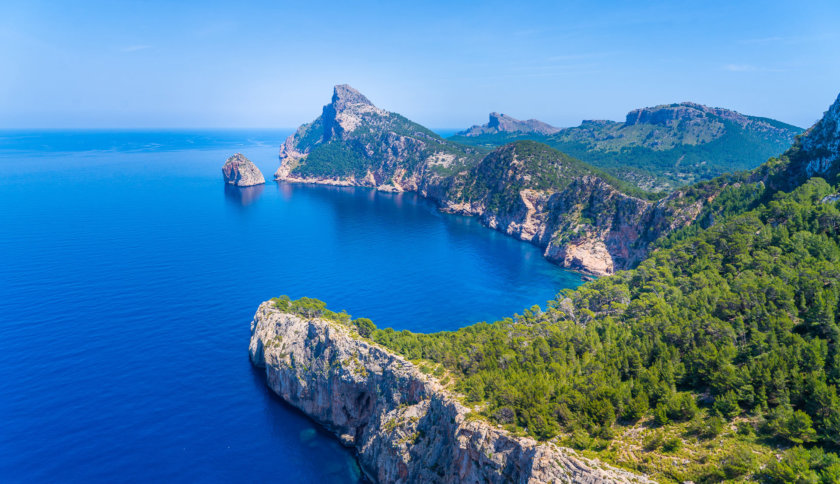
(502, 123)
(658, 148)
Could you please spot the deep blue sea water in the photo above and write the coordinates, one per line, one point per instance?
(129, 277)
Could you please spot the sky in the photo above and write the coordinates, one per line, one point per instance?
(117, 64)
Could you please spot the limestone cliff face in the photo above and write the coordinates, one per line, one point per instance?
(355, 143)
(525, 189)
(405, 426)
(582, 221)
(817, 151)
(240, 171)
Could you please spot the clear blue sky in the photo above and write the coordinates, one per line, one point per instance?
(443, 64)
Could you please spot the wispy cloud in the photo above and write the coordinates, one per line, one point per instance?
(740, 68)
(135, 48)
(749, 68)
(789, 39)
(592, 55)
(764, 40)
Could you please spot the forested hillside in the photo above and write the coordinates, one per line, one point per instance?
(658, 148)
(716, 358)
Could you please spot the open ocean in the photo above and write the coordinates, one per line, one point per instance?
(130, 274)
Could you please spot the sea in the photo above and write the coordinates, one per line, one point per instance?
(130, 274)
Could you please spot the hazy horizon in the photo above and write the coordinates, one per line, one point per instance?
(154, 65)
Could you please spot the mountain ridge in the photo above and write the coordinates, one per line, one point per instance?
(577, 229)
(663, 147)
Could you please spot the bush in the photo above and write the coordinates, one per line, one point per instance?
(801, 465)
(745, 428)
(707, 427)
(681, 407)
(793, 426)
(637, 407)
(364, 327)
(726, 405)
(739, 463)
(579, 440)
(660, 414)
(672, 445)
(652, 441)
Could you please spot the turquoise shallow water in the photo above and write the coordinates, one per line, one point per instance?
(131, 273)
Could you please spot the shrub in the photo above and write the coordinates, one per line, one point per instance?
(672, 445)
(739, 463)
(726, 405)
(579, 440)
(364, 326)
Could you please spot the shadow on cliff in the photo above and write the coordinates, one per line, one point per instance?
(309, 433)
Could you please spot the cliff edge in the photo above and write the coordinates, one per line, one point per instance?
(403, 424)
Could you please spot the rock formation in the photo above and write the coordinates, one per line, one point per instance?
(404, 425)
(241, 172)
(817, 151)
(502, 123)
(581, 219)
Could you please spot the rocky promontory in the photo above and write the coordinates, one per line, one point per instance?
(582, 218)
(404, 425)
(241, 172)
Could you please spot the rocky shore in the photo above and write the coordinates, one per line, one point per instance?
(530, 191)
(404, 425)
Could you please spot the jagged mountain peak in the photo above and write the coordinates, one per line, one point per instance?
(344, 95)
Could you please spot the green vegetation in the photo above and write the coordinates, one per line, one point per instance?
(505, 172)
(309, 308)
(717, 358)
(371, 147)
(656, 157)
(738, 321)
(332, 159)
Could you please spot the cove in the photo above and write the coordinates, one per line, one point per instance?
(131, 274)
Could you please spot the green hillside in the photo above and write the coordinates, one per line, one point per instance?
(663, 155)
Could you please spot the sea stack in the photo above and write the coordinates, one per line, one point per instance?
(241, 172)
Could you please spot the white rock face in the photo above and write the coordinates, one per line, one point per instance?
(821, 143)
(240, 171)
(403, 424)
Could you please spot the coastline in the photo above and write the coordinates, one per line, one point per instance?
(404, 425)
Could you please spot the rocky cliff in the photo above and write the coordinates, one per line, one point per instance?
(403, 424)
(817, 151)
(240, 171)
(355, 143)
(581, 217)
(502, 123)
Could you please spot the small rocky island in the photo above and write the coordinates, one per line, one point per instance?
(241, 172)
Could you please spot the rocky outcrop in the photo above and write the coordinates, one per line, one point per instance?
(524, 189)
(817, 151)
(240, 171)
(356, 143)
(404, 426)
(502, 123)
